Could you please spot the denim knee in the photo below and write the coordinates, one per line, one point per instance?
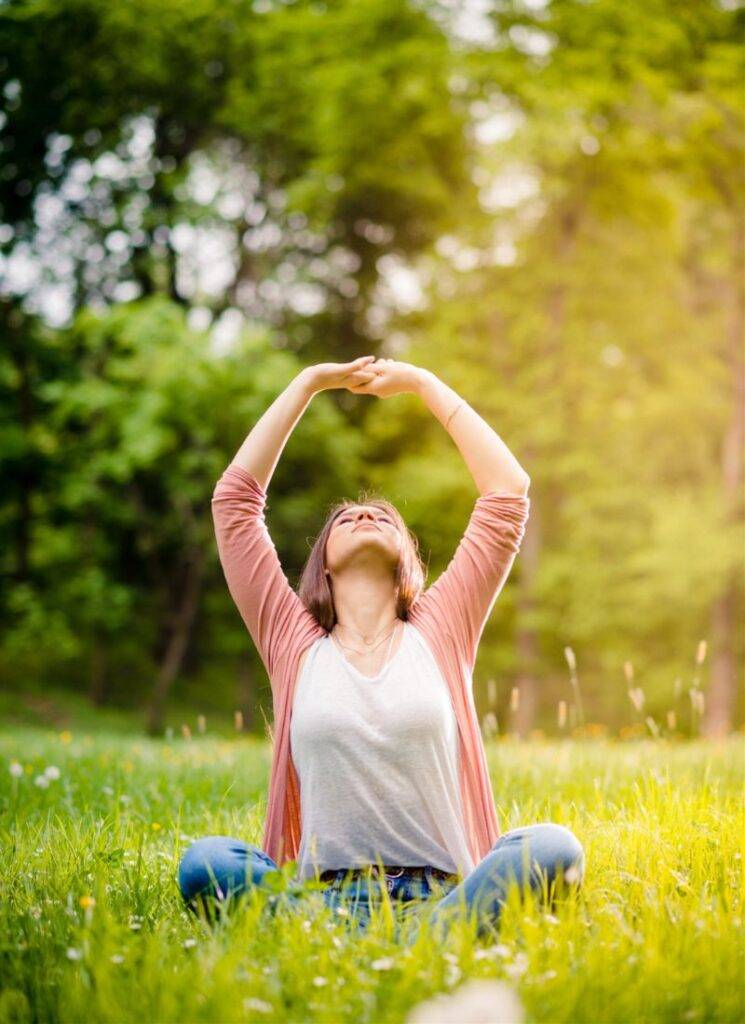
(554, 847)
(567, 852)
(219, 865)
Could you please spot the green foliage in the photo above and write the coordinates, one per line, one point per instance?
(296, 88)
(606, 346)
(582, 274)
(137, 432)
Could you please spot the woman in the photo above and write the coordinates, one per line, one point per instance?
(377, 748)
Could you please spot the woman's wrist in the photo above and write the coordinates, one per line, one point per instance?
(421, 379)
(308, 380)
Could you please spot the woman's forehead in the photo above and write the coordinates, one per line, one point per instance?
(357, 508)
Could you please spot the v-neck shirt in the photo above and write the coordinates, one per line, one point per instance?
(381, 672)
(378, 762)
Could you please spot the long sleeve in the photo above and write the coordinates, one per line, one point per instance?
(460, 601)
(273, 613)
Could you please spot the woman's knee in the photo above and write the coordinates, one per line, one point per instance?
(564, 852)
(220, 865)
(553, 847)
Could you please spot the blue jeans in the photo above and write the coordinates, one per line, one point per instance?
(546, 857)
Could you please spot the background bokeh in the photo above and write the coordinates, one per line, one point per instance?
(541, 202)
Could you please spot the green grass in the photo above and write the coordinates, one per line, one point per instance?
(654, 935)
(47, 706)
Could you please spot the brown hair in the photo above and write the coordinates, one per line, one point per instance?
(315, 591)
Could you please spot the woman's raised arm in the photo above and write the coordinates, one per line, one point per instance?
(260, 452)
(491, 463)
(273, 613)
(459, 602)
(461, 599)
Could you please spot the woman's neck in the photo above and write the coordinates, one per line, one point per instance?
(365, 605)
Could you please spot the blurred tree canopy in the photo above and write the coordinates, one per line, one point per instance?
(541, 202)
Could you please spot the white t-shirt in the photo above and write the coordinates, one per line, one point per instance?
(377, 760)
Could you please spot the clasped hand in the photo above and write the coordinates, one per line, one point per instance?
(382, 378)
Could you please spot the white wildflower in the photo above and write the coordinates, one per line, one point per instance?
(491, 951)
(117, 958)
(73, 954)
(189, 943)
(318, 981)
(16, 770)
(258, 1005)
(453, 974)
(518, 966)
(52, 772)
(478, 1001)
(383, 963)
(41, 781)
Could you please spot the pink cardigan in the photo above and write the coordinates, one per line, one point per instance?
(450, 614)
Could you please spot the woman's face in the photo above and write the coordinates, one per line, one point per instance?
(362, 535)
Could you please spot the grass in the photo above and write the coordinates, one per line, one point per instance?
(46, 706)
(92, 927)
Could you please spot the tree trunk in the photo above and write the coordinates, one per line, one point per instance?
(568, 223)
(246, 692)
(97, 679)
(722, 696)
(179, 639)
(18, 349)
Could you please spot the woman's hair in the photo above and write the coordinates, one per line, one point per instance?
(315, 590)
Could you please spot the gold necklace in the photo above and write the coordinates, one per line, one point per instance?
(354, 649)
(367, 642)
(388, 655)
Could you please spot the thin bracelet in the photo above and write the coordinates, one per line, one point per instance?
(447, 421)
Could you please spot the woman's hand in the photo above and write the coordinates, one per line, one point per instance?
(390, 377)
(327, 376)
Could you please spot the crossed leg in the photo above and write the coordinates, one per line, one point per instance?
(546, 856)
(215, 869)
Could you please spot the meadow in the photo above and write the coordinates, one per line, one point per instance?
(93, 928)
